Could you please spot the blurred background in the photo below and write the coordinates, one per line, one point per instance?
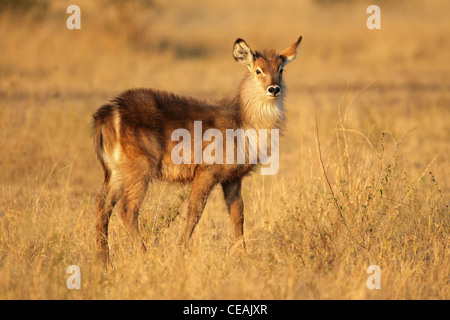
(382, 99)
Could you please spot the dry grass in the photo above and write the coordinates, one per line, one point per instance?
(381, 197)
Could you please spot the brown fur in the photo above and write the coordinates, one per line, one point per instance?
(132, 138)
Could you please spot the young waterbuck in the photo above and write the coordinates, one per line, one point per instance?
(134, 142)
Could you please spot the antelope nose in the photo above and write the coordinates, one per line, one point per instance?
(273, 90)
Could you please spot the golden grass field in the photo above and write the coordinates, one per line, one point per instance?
(382, 100)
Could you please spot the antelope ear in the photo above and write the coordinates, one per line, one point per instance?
(243, 54)
(290, 52)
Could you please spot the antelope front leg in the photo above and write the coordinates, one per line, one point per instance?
(201, 188)
(235, 205)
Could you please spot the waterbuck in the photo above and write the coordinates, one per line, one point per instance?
(134, 141)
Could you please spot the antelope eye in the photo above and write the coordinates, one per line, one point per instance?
(281, 70)
(258, 71)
